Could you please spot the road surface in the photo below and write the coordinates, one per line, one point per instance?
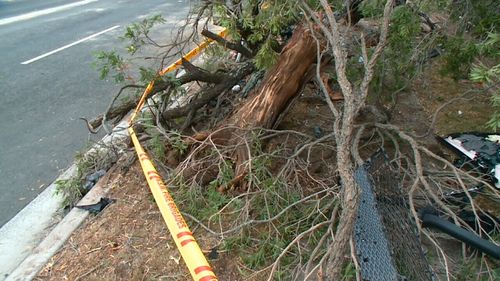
(47, 83)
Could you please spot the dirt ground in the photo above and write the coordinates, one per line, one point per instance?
(129, 240)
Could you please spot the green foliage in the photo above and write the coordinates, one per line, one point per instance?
(266, 56)
(138, 33)
(490, 46)
(372, 8)
(459, 55)
(107, 62)
(177, 143)
(489, 75)
(226, 174)
(401, 56)
(483, 74)
(405, 24)
(403, 32)
(147, 74)
(71, 189)
(477, 36)
(494, 122)
(471, 52)
(225, 18)
(201, 203)
(258, 244)
(471, 270)
(215, 55)
(156, 145)
(349, 271)
(479, 17)
(112, 63)
(270, 249)
(263, 23)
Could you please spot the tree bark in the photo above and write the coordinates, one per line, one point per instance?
(279, 87)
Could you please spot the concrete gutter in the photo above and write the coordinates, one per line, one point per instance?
(39, 257)
(19, 235)
(22, 251)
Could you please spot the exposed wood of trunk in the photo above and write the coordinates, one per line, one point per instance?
(279, 87)
(281, 84)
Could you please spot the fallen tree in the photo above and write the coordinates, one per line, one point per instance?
(320, 39)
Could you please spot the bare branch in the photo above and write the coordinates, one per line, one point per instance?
(228, 44)
(369, 65)
(210, 93)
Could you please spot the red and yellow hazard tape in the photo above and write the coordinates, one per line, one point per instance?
(188, 247)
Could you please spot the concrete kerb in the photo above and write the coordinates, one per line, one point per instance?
(36, 233)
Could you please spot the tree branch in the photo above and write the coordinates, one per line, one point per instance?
(230, 45)
(200, 74)
(111, 113)
(210, 93)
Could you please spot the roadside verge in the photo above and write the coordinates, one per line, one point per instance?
(29, 239)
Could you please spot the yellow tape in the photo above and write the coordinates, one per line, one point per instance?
(188, 247)
(171, 67)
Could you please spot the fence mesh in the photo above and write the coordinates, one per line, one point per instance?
(386, 236)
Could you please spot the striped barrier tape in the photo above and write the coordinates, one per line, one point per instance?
(171, 67)
(186, 244)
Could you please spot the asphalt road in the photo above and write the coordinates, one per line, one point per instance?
(41, 100)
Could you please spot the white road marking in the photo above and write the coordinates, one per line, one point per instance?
(69, 45)
(43, 12)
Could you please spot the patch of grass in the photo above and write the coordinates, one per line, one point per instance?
(349, 271)
(476, 270)
(71, 189)
(157, 148)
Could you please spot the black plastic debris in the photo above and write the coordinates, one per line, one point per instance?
(482, 150)
(252, 83)
(431, 220)
(461, 198)
(318, 132)
(433, 53)
(484, 222)
(97, 207)
(92, 179)
(214, 254)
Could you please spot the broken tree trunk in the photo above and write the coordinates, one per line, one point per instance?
(279, 87)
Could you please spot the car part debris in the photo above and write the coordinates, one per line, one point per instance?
(254, 81)
(431, 220)
(481, 149)
(97, 207)
(92, 179)
(481, 222)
